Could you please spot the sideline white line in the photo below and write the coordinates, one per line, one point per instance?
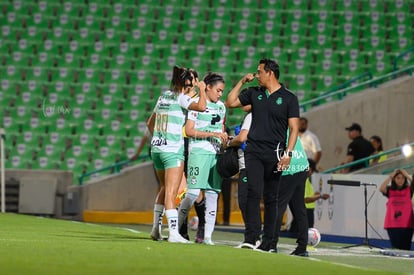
(130, 230)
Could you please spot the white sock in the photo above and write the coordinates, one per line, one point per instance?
(158, 213)
(172, 218)
(186, 203)
(211, 212)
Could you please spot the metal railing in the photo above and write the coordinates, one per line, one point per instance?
(114, 167)
(401, 55)
(390, 170)
(339, 94)
(366, 160)
(348, 83)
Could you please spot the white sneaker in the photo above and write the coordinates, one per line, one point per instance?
(208, 241)
(246, 245)
(177, 238)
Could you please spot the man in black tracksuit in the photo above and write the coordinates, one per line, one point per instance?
(274, 110)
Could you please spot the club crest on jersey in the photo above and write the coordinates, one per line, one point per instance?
(259, 97)
(279, 101)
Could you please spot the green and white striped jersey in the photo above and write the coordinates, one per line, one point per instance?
(211, 120)
(170, 110)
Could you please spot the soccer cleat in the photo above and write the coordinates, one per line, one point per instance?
(177, 238)
(208, 241)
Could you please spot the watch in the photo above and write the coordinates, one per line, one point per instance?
(289, 153)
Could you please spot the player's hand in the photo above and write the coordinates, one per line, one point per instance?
(248, 78)
(283, 164)
(201, 86)
(223, 137)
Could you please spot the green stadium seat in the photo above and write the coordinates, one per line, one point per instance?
(18, 162)
(35, 73)
(90, 127)
(61, 75)
(398, 6)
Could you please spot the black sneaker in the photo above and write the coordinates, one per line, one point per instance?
(301, 253)
(266, 247)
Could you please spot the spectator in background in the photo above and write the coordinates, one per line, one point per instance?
(310, 141)
(359, 147)
(399, 218)
(376, 142)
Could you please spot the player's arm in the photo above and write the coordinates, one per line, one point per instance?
(192, 132)
(293, 124)
(239, 139)
(201, 104)
(140, 147)
(232, 100)
(151, 124)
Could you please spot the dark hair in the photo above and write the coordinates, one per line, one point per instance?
(213, 78)
(180, 76)
(304, 119)
(394, 185)
(379, 140)
(176, 79)
(271, 65)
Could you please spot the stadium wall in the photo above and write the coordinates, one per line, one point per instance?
(384, 111)
(118, 198)
(37, 192)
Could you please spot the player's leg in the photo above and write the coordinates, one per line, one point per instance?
(242, 192)
(297, 206)
(200, 208)
(214, 188)
(159, 200)
(183, 229)
(270, 198)
(254, 167)
(174, 164)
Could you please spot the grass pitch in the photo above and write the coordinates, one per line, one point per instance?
(34, 245)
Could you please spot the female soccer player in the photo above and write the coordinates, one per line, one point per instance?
(167, 143)
(206, 133)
